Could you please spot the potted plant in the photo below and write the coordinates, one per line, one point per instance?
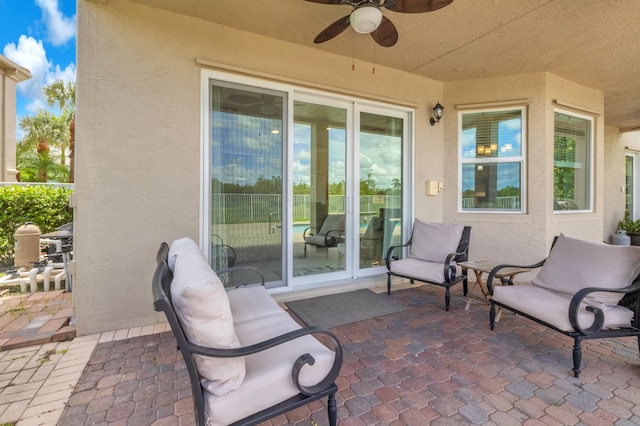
(631, 227)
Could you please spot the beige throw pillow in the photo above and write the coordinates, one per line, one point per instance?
(202, 306)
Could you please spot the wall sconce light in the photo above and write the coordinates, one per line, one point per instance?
(437, 114)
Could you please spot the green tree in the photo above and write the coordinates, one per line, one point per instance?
(301, 188)
(46, 130)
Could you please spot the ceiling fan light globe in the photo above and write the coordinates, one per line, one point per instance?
(366, 19)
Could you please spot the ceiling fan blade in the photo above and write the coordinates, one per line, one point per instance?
(333, 30)
(415, 6)
(386, 35)
(327, 1)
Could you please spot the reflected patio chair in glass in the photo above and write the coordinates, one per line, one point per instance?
(223, 256)
(372, 242)
(331, 233)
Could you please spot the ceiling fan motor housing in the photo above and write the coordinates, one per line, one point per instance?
(366, 18)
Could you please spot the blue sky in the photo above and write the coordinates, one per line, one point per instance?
(39, 35)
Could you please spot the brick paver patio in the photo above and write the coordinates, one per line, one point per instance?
(416, 367)
(35, 318)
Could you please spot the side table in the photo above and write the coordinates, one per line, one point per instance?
(480, 267)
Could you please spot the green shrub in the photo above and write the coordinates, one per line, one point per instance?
(47, 207)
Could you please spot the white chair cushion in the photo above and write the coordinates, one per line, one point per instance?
(252, 303)
(420, 269)
(375, 228)
(333, 222)
(574, 264)
(268, 380)
(319, 240)
(434, 241)
(552, 307)
(183, 245)
(202, 306)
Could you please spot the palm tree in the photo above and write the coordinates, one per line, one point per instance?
(63, 95)
(44, 131)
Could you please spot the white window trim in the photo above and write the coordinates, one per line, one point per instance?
(522, 159)
(635, 208)
(591, 121)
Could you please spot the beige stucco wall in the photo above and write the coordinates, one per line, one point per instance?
(614, 179)
(10, 75)
(138, 146)
(138, 140)
(589, 103)
(616, 145)
(494, 236)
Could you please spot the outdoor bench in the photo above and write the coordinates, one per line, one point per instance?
(248, 360)
(584, 290)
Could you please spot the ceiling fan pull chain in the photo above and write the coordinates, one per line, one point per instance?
(373, 70)
(353, 52)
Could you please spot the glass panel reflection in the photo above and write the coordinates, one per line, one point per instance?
(380, 186)
(319, 189)
(246, 179)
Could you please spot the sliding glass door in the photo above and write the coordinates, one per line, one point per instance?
(247, 139)
(308, 188)
(381, 175)
(319, 225)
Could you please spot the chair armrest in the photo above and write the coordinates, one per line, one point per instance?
(577, 299)
(450, 266)
(497, 269)
(307, 232)
(236, 269)
(332, 237)
(390, 252)
(301, 361)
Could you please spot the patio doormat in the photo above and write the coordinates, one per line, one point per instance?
(344, 308)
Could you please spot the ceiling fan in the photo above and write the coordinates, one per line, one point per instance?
(366, 17)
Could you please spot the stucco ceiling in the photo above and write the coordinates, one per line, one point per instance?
(595, 43)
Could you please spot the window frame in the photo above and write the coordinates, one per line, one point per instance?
(590, 161)
(521, 159)
(635, 181)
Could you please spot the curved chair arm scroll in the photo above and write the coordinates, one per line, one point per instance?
(497, 269)
(450, 266)
(301, 361)
(307, 232)
(598, 322)
(390, 252)
(332, 237)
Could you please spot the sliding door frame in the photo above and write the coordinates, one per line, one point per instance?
(355, 107)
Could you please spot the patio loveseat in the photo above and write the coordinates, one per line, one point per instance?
(584, 290)
(248, 360)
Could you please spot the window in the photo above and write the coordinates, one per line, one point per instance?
(632, 159)
(491, 169)
(572, 162)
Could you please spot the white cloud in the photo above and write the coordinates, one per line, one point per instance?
(31, 54)
(60, 28)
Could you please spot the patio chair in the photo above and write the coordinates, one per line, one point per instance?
(434, 251)
(331, 233)
(372, 241)
(583, 289)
